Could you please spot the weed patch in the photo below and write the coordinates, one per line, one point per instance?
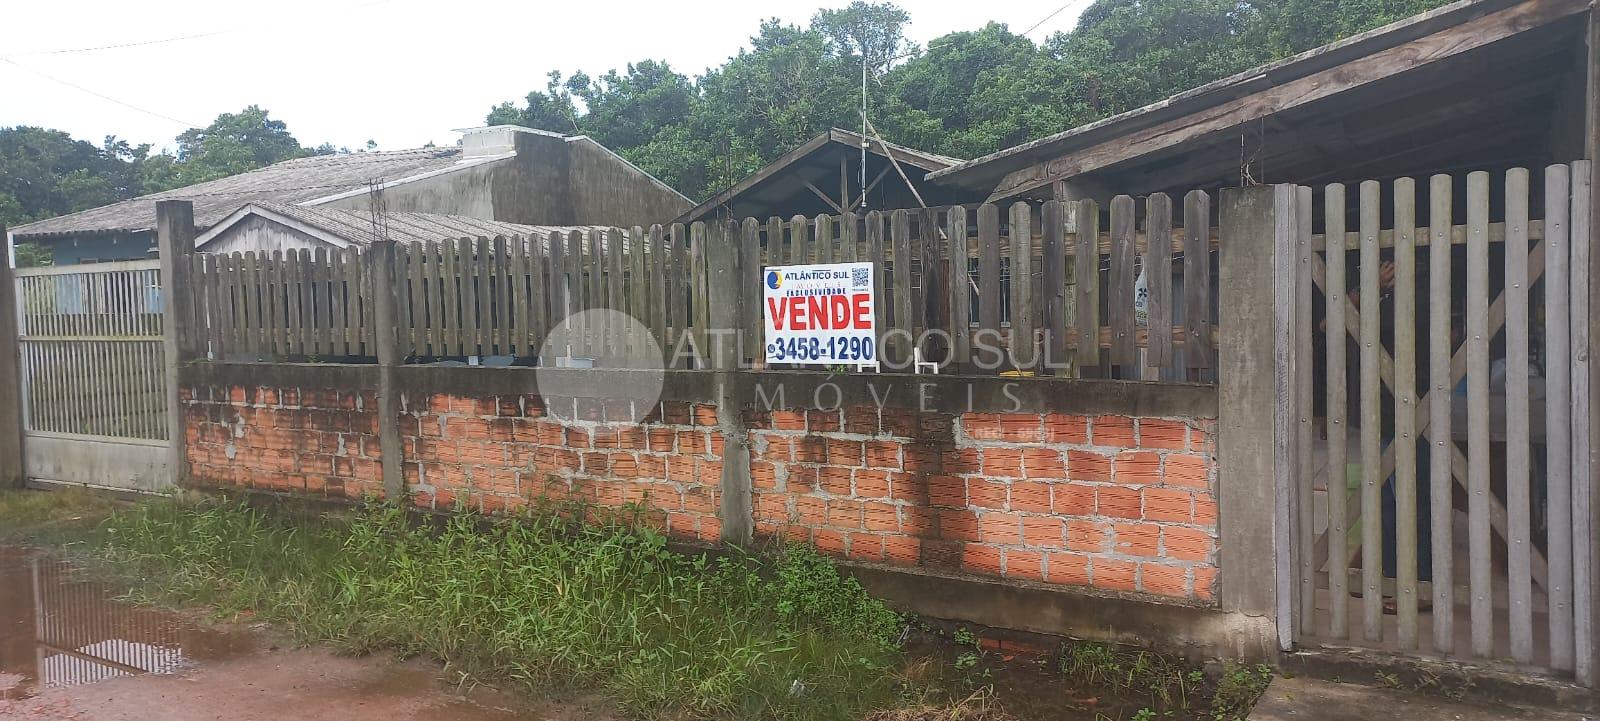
(542, 601)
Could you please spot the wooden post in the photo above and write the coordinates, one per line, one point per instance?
(180, 344)
(11, 470)
(1587, 550)
(1255, 403)
(725, 290)
(380, 267)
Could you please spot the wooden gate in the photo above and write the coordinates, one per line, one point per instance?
(1441, 489)
(93, 375)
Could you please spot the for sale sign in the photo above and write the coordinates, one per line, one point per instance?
(819, 314)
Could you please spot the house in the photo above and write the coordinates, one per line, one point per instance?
(825, 175)
(1474, 85)
(267, 227)
(505, 174)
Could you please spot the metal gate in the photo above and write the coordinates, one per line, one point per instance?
(93, 379)
(1441, 464)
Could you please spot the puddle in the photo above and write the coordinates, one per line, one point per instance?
(58, 630)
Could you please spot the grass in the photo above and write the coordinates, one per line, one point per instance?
(1172, 686)
(543, 601)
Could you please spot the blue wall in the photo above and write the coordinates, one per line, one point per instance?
(76, 249)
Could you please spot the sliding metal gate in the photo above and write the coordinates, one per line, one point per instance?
(93, 379)
(1441, 478)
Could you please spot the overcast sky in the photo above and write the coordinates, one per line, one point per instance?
(401, 72)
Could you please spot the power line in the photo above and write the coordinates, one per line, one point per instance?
(117, 46)
(178, 38)
(100, 95)
(1047, 18)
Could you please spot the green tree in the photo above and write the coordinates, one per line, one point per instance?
(234, 143)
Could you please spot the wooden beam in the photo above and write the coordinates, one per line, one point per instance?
(824, 197)
(1357, 73)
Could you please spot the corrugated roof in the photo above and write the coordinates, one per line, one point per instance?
(291, 181)
(356, 226)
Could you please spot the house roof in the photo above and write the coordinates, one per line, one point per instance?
(1399, 39)
(292, 181)
(782, 176)
(353, 227)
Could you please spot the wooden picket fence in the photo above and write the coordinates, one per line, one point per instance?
(1418, 425)
(949, 282)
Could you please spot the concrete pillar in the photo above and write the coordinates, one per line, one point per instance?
(380, 268)
(725, 299)
(11, 470)
(180, 338)
(1254, 403)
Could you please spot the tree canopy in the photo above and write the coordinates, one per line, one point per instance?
(966, 94)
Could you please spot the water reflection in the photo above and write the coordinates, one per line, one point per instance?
(58, 629)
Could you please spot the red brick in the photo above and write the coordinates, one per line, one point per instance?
(1086, 466)
(981, 426)
(788, 420)
(1061, 428)
(986, 494)
(1114, 431)
(1163, 580)
(883, 454)
(965, 460)
(779, 448)
(812, 511)
(1138, 539)
(843, 452)
(1205, 510)
(844, 514)
(1042, 463)
(831, 542)
(871, 483)
(1030, 497)
(763, 474)
(705, 415)
(1005, 462)
(1024, 564)
(1088, 536)
(916, 520)
(1068, 568)
(1185, 544)
(981, 559)
(834, 479)
(811, 449)
(880, 517)
(819, 421)
(1168, 505)
(772, 507)
(866, 547)
(1137, 468)
(1043, 531)
(1163, 433)
(1114, 575)
(902, 550)
(1187, 470)
(1072, 499)
(1117, 502)
(1000, 528)
(861, 420)
(1205, 580)
(950, 491)
(958, 525)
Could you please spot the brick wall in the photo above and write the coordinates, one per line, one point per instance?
(1113, 502)
(498, 453)
(319, 441)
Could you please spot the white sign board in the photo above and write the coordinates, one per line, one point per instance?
(819, 314)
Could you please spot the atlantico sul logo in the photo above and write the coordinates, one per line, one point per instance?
(774, 279)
